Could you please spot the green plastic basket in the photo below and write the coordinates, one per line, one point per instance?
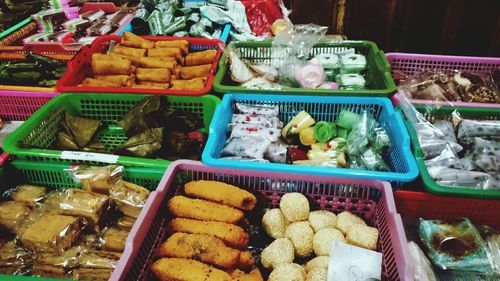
(41, 129)
(378, 75)
(445, 113)
(53, 176)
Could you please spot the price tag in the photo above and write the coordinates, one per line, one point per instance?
(352, 263)
(89, 156)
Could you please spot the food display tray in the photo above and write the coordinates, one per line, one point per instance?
(41, 129)
(399, 157)
(372, 200)
(378, 77)
(79, 67)
(411, 64)
(440, 113)
(55, 176)
(19, 106)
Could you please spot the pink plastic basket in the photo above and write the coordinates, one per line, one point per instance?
(373, 200)
(413, 63)
(19, 106)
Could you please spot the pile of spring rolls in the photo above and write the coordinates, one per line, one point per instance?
(139, 63)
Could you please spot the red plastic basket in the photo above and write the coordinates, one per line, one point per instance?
(414, 205)
(79, 67)
(373, 200)
(413, 63)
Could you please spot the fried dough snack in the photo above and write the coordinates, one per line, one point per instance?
(203, 247)
(181, 206)
(182, 44)
(157, 62)
(246, 260)
(166, 52)
(199, 58)
(150, 84)
(107, 64)
(231, 234)
(131, 40)
(91, 82)
(222, 193)
(166, 269)
(189, 72)
(123, 80)
(253, 275)
(153, 74)
(133, 52)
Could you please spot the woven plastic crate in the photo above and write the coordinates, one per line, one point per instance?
(415, 205)
(54, 176)
(444, 112)
(378, 78)
(79, 67)
(411, 64)
(42, 128)
(398, 157)
(372, 200)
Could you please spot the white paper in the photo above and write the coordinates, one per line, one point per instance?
(350, 263)
(89, 156)
(8, 127)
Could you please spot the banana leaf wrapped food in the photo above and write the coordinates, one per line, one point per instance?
(35, 71)
(77, 133)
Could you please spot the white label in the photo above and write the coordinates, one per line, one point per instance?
(350, 263)
(89, 156)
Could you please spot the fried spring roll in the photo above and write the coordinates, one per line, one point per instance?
(190, 72)
(134, 60)
(153, 74)
(153, 62)
(131, 40)
(113, 65)
(202, 57)
(183, 44)
(167, 269)
(194, 84)
(246, 260)
(124, 80)
(134, 52)
(166, 52)
(91, 82)
(141, 86)
(155, 84)
(197, 209)
(223, 193)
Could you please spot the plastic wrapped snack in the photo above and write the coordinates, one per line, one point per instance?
(474, 128)
(12, 213)
(352, 63)
(126, 222)
(55, 265)
(251, 130)
(52, 233)
(90, 205)
(301, 121)
(257, 110)
(247, 147)
(373, 161)
(28, 193)
(113, 239)
(456, 177)
(97, 179)
(456, 246)
(351, 81)
(447, 129)
(276, 153)
(14, 259)
(96, 265)
(129, 197)
(268, 122)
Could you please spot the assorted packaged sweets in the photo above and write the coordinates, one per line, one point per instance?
(69, 233)
(35, 70)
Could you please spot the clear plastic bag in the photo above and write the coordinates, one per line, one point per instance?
(97, 179)
(456, 246)
(129, 197)
(243, 130)
(246, 147)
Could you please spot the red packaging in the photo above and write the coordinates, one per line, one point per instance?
(261, 14)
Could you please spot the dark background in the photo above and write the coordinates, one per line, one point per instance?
(456, 27)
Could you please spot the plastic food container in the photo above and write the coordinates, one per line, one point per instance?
(399, 157)
(444, 112)
(373, 200)
(378, 77)
(19, 106)
(412, 63)
(42, 128)
(79, 67)
(52, 176)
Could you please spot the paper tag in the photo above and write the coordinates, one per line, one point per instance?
(89, 156)
(350, 263)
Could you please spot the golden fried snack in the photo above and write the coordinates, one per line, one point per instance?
(194, 84)
(189, 72)
(155, 62)
(124, 80)
(131, 40)
(133, 52)
(91, 82)
(114, 239)
(182, 44)
(154, 84)
(222, 193)
(231, 234)
(202, 247)
(153, 74)
(166, 52)
(181, 206)
(253, 275)
(12, 213)
(246, 260)
(111, 65)
(199, 58)
(126, 222)
(28, 193)
(166, 269)
(141, 86)
(134, 60)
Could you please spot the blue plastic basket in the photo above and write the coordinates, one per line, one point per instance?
(399, 157)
